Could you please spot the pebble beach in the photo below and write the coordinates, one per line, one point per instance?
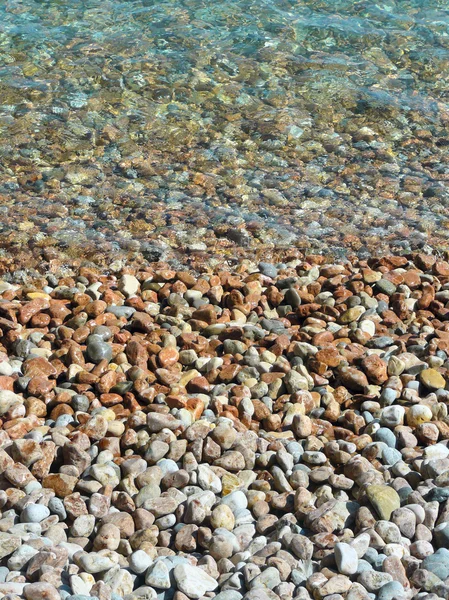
(224, 300)
(259, 434)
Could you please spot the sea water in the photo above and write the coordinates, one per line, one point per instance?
(194, 126)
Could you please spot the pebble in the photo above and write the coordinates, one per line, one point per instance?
(432, 379)
(384, 499)
(437, 563)
(40, 591)
(392, 416)
(97, 350)
(418, 414)
(95, 563)
(391, 591)
(139, 561)
(34, 513)
(193, 581)
(373, 581)
(222, 517)
(386, 287)
(158, 575)
(128, 284)
(346, 558)
(268, 269)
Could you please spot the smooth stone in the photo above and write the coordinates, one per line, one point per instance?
(418, 414)
(268, 579)
(167, 466)
(158, 575)
(222, 516)
(361, 544)
(5, 368)
(12, 589)
(346, 558)
(391, 456)
(432, 379)
(193, 581)
(391, 591)
(268, 270)
(386, 436)
(358, 592)
(437, 563)
(236, 501)
(7, 400)
(229, 595)
(441, 535)
(21, 557)
(145, 592)
(392, 416)
(381, 342)
(374, 580)
(56, 506)
(95, 563)
(129, 285)
(79, 402)
(437, 451)
(121, 311)
(292, 297)
(34, 513)
(386, 287)
(388, 396)
(98, 350)
(385, 499)
(438, 494)
(119, 580)
(395, 366)
(40, 591)
(139, 561)
(362, 566)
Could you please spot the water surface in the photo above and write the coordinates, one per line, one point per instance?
(222, 128)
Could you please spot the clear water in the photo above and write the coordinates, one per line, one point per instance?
(209, 127)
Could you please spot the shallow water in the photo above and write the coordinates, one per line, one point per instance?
(213, 129)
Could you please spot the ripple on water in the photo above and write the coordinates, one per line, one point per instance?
(215, 126)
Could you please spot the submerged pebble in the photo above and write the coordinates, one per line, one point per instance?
(320, 127)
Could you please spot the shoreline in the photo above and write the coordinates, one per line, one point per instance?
(32, 264)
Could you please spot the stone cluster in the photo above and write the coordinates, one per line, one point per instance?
(270, 433)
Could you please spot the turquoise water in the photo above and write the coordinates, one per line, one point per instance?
(205, 127)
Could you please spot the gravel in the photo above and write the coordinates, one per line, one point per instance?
(167, 452)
